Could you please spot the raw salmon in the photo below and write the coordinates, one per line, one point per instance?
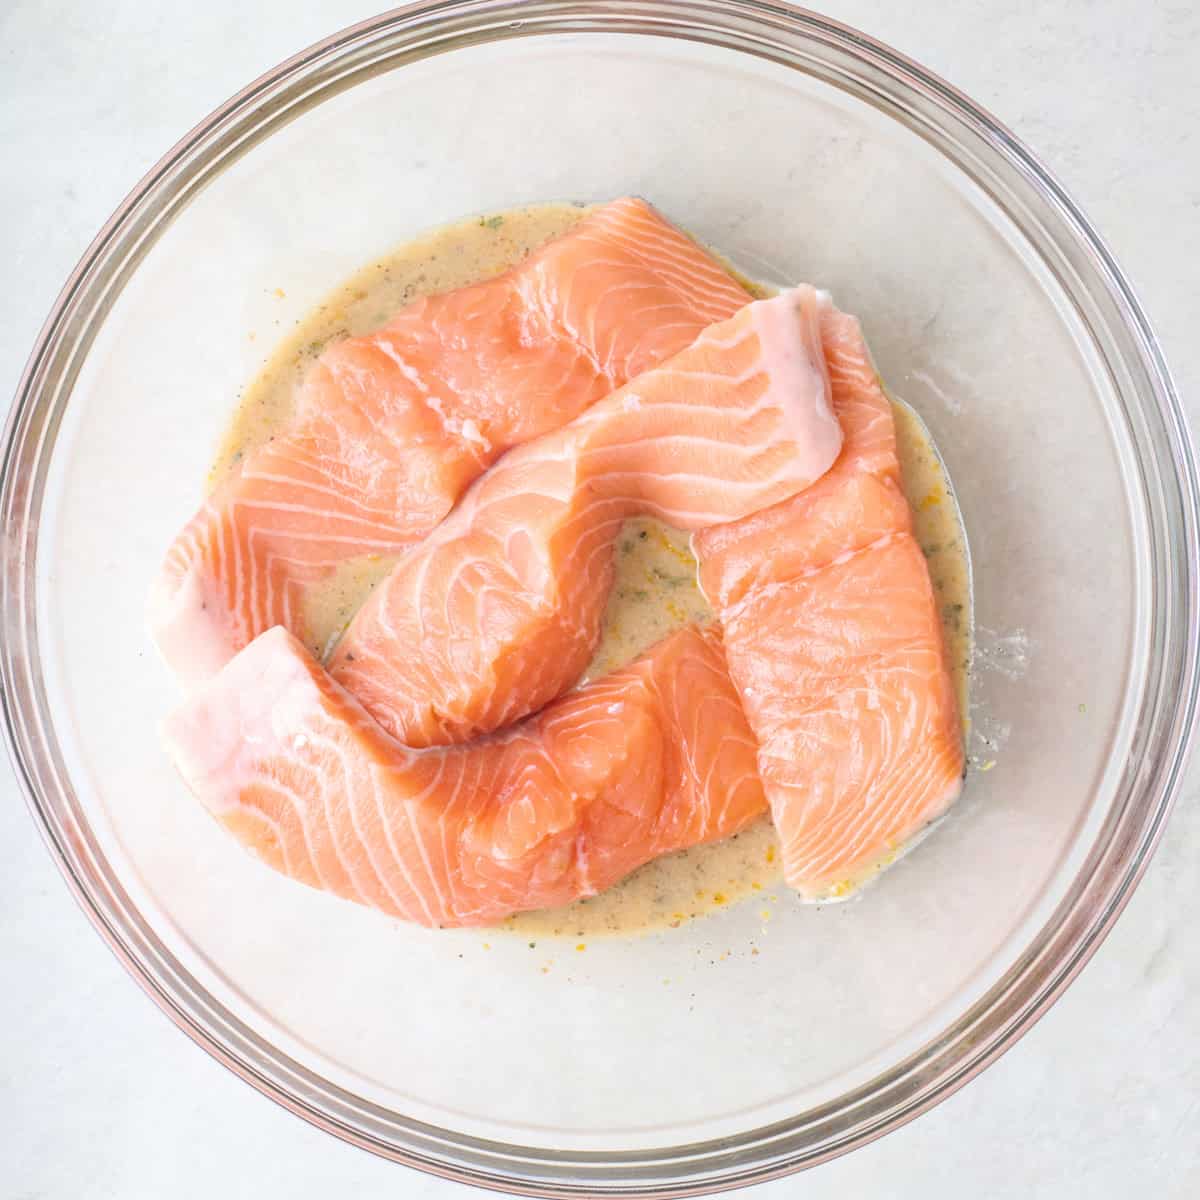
(650, 759)
(834, 642)
(499, 609)
(393, 426)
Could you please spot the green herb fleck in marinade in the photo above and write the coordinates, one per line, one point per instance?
(491, 222)
(668, 580)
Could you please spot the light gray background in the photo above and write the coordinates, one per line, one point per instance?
(101, 1097)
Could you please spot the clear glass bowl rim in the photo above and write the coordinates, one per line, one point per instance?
(1067, 243)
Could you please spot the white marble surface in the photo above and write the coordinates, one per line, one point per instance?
(100, 1096)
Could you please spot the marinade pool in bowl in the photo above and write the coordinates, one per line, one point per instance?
(679, 1061)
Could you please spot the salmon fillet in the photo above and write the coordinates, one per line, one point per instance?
(392, 427)
(834, 642)
(499, 609)
(652, 758)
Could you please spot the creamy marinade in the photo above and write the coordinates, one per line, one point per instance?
(655, 590)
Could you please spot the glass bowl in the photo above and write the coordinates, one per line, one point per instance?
(771, 1036)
